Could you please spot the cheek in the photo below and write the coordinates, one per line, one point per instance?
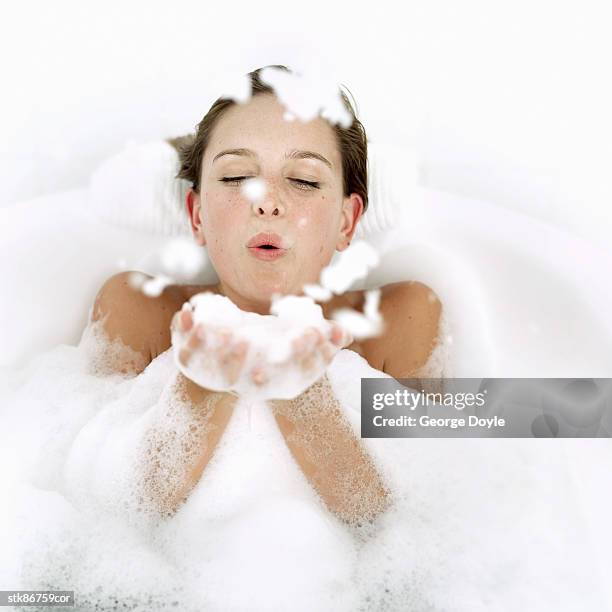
(317, 229)
(219, 215)
(221, 229)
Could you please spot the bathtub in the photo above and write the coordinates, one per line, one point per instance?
(484, 524)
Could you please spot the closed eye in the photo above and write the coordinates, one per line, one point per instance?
(305, 185)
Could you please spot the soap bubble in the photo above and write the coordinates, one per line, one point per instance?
(233, 86)
(372, 302)
(136, 280)
(182, 257)
(308, 95)
(358, 325)
(317, 293)
(353, 264)
(254, 189)
(366, 325)
(155, 286)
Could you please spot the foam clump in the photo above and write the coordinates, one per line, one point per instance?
(269, 341)
(366, 325)
(352, 264)
(308, 95)
(182, 258)
(254, 189)
(178, 261)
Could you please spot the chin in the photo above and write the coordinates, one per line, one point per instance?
(265, 289)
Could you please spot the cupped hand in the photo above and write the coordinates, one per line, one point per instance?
(313, 345)
(226, 352)
(221, 350)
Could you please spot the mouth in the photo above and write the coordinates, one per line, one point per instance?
(267, 246)
(268, 240)
(267, 252)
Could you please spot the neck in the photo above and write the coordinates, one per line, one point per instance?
(262, 308)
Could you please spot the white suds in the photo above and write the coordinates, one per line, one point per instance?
(353, 264)
(254, 189)
(269, 341)
(362, 326)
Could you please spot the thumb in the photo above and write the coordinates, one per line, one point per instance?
(341, 336)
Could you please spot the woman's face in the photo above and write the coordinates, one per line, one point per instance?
(312, 221)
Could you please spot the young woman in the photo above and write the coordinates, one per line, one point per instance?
(315, 175)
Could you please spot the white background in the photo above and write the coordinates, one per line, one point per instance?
(508, 102)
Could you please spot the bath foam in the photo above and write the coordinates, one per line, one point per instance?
(351, 264)
(256, 531)
(348, 266)
(476, 524)
(106, 357)
(269, 340)
(362, 326)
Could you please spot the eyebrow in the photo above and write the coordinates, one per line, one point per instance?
(295, 154)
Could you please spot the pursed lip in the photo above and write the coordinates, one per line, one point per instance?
(267, 254)
(267, 238)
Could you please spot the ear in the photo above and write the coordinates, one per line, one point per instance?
(194, 209)
(352, 209)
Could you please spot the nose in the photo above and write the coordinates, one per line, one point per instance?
(269, 206)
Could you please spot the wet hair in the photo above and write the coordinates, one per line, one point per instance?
(352, 141)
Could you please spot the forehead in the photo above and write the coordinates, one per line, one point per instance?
(259, 125)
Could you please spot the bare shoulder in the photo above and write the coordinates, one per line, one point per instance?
(411, 311)
(410, 301)
(140, 322)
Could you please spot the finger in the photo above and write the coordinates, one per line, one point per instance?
(340, 336)
(185, 320)
(259, 376)
(311, 338)
(184, 356)
(224, 336)
(233, 361)
(328, 352)
(194, 339)
(336, 334)
(298, 346)
(308, 362)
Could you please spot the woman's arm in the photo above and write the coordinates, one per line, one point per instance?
(319, 436)
(334, 461)
(179, 446)
(189, 421)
